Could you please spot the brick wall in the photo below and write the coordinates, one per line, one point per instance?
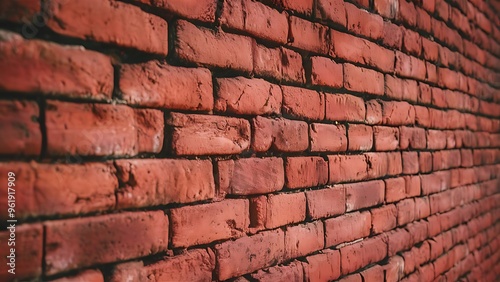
(272, 140)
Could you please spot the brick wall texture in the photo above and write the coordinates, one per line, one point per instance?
(244, 140)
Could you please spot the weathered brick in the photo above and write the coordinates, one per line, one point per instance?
(249, 254)
(358, 255)
(326, 72)
(401, 89)
(347, 228)
(322, 267)
(102, 129)
(37, 66)
(360, 137)
(103, 239)
(251, 176)
(412, 137)
(19, 121)
(328, 137)
(332, 11)
(200, 10)
(160, 85)
(256, 19)
(279, 134)
(290, 272)
(397, 113)
(386, 138)
(29, 251)
(363, 23)
(383, 218)
(215, 49)
(344, 107)
(292, 68)
(304, 239)
(373, 112)
(304, 172)
(347, 168)
(267, 62)
(283, 209)
(247, 96)
(386, 8)
(307, 35)
(303, 103)
(194, 265)
(363, 80)
(214, 221)
(116, 23)
(364, 194)
(206, 134)
(325, 202)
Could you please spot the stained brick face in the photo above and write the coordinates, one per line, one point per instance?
(250, 140)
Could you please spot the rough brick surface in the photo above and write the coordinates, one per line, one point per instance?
(250, 140)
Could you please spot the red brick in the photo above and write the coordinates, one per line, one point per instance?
(41, 67)
(373, 112)
(364, 194)
(54, 189)
(304, 172)
(423, 20)
(152, 84)
(386, 138)
(392, 35)
(304, 239)
(249, 254)
(394, 163)
(436, 140)
(85, 275)
(267, 62)
(401, 89)
(407, 13)
(412, 137)
(398, 240)
(331, 11)
(322, 267)
(108, 22)
(435, 182)
(292, 66)
(386, 8)
(410, 162)
(395, 189)
(361, 22)
(416, 257)
(347, 228)
(283, 209)
(216, 49)
(424, 95)
(409, 66)
(279, 134)
(429, 6)
(412, 42)
(251, 176)
(206, 134)
(160, 182)
(442, 10)
(406, 211)
(303, 103)
(412, 185)
(325, 202)
(422, 116)
(362, 51)
(214, 221)
(347, 168)
(360, 137)
(394, 269)
(358, 255)
(19, 121)
(356, 277)
(20, 11)
(430, 49)
(383, 218)
(373, 273)
(290, 272)
(307, 36)
(247, 96)
(363, 80)
(29, 249)
(200, 10)
(194, 265)
(328, 137)
(255, 19)
(325, 72)
(81, 242)
(344, 107)
(397, 113)
(102, 129)
(298, 6)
